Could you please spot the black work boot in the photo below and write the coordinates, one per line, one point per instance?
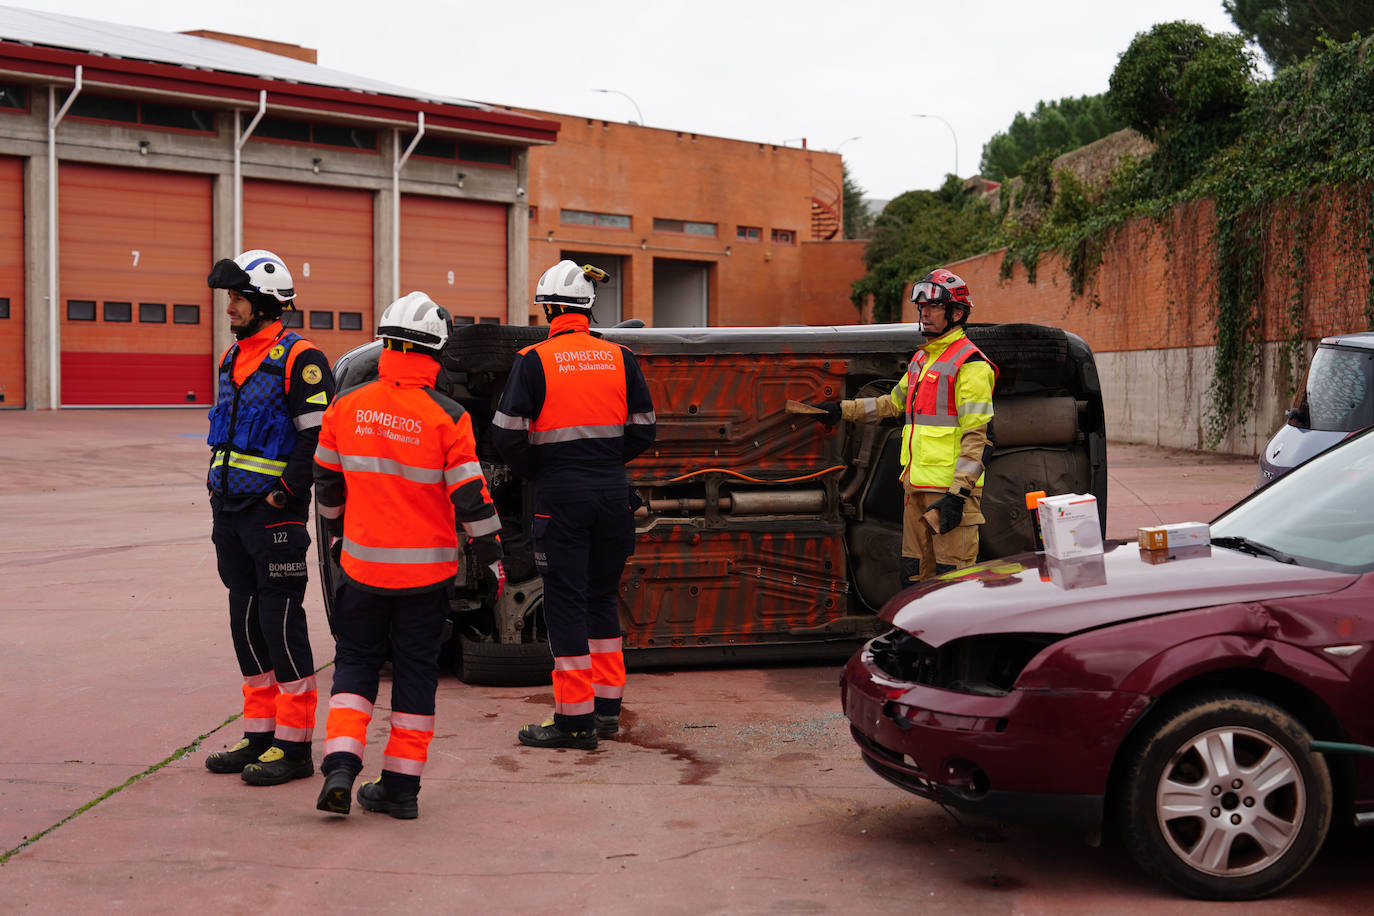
(606, 726)
(546, 734)
(373, 796)
(236, 758)
(274, 768)
(336, 796)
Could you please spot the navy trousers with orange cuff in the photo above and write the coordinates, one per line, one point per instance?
(582, 538)
(261, 555)
(369, 628)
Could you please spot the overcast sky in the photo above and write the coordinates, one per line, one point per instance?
(845, 75)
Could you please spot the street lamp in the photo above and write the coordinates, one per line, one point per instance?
(843, 142)
(632, 102)
(951, 133)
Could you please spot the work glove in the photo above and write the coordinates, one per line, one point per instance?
(498, 572)
(833, 414)
(947, 511)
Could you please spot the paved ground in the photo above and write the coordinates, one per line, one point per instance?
(731, 791)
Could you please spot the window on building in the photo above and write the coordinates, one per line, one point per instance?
(489, 319)
(14, 97)
(749, 233)
(310, 132)
(119, 311)
(784, 237)
(290, 318)
(350, 321)
(463, 319)
(4, 308)
(185, 314)
(152, 114)
(590, 218)
(432, 147)
(322, 321)
(80, 310)
(534, 213)
(152, 312)
(684, 226)
(485, 153)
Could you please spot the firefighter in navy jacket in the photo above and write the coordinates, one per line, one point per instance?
(575, 411)
(273, 389)
(398, 480)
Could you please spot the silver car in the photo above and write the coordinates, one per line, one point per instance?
(1336, 401)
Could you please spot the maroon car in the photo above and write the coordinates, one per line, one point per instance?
(1213, 704)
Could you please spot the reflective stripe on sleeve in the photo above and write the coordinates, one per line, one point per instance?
(482, 526)
(506, 421)
(308, 420)
(643, 419)
(400, 555)
(870, 408)
(326, 456)
(328, 511)
(573, 433)
(462, 472)
(968, 465)
(371, 465)
(969, 407)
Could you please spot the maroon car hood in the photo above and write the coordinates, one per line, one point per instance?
(1031, 593)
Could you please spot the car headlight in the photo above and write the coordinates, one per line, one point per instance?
(987, 665)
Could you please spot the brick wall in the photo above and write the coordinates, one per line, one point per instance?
(1149, 318)
(647, 173)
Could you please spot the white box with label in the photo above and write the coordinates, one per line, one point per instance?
(1069, 525)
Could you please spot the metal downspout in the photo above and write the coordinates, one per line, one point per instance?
(396, 203)
(55, 118)
(241, 138)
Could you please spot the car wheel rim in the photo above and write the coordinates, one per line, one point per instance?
(1231, 802)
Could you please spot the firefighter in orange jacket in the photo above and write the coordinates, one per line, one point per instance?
(274, 387)
(945, 398)
(575, 411)
(398, 479)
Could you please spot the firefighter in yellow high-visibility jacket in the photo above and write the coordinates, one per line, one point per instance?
(945, 400)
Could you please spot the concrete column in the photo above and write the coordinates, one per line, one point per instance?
(37, 298)
(222, 237)
(382, 229)
(518, 245)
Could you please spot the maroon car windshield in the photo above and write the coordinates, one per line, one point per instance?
(1320, 514)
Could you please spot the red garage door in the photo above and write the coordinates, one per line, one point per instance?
(325, 237)
(11, 282)
(455, 250)
(135, 311)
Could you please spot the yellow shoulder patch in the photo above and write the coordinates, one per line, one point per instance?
(319, 397)
(276, 352)
(311, 374)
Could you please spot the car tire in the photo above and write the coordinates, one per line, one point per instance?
(1196, 820)
(493, 664)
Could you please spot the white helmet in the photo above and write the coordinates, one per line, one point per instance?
(566, 287)
(257, 271)
(416, 322)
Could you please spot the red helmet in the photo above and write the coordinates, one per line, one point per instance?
(941, 286)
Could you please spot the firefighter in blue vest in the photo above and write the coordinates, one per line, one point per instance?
(945, 400)
(273, 389)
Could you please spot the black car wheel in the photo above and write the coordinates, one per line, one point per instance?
(1223, 800)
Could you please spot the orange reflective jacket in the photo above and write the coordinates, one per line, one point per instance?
(396, 472)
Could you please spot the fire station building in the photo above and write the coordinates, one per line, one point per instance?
(132, 159)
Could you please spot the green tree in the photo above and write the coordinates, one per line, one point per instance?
(1289, 30)
(857, 219)
(917, 232)
(1183, 87)
(1053, 127)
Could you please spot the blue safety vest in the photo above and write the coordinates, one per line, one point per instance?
(251, 429)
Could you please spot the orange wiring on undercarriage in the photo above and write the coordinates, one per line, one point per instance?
(830, 470)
